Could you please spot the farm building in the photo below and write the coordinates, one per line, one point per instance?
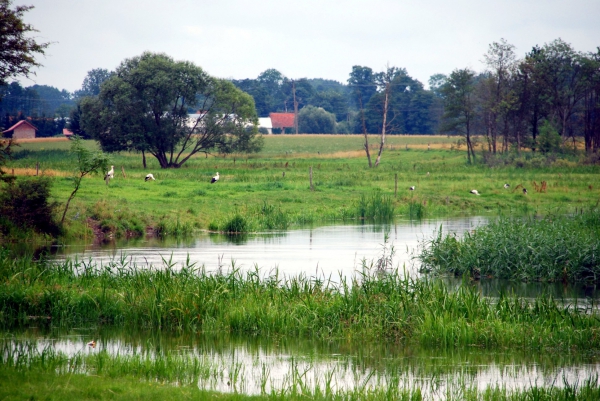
(265, 122)
(21, 130)
(282, 120)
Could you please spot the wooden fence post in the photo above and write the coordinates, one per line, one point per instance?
(123, 172)
(310, 175)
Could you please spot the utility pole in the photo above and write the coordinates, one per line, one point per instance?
(295, 107)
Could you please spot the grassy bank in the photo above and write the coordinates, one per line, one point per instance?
(276, 181)
(554, 248)
(369, 307)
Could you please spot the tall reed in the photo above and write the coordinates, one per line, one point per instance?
(554, 248)
(375, 304)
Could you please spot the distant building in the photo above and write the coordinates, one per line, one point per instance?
(282, 120)
(265, 122)
(21, 130)
(67, 132)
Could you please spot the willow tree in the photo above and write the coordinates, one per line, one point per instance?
(145, 106)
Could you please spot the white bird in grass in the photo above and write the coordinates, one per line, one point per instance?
(474, 192)
(215, 178)
(524, 191)
(506, 186)
(411, 188)
(149, 177)
(110, 174)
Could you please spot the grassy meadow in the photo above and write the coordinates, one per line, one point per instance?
(271, 190)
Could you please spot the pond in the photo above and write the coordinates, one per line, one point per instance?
(329, 252)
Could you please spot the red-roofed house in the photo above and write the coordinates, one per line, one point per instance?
(282, 120)
(21, 130)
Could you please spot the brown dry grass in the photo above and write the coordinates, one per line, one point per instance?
(41, 140)
(42, 173)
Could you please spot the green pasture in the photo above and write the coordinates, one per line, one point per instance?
(272, 189)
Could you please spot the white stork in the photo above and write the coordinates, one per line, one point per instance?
(411, 188)
(506, 186)
(215, 178)
(524, 191)
(110, 174)
(474, 192)
(149, 177)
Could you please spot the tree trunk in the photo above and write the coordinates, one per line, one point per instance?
(295, 108)
(385, 109)
(144, 159)
(364, 127)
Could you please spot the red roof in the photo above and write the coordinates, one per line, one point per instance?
(67, 132)
(282, 120)
(22, 122)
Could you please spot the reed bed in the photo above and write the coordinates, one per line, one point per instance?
(554, 248)
(374, 305)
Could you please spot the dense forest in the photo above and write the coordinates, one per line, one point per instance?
(548, 97)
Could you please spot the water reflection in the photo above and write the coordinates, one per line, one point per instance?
(255, 365)
(330, 251)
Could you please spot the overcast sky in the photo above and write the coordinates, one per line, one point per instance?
(302, 38)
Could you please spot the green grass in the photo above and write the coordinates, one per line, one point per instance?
(370, 307)
(341, 179)
(555, 248)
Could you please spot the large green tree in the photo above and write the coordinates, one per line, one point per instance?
(92, 82)
(316, 120)
(145, 107)
(17, 48)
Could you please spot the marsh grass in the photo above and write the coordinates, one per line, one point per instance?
(554, 248)
(33, 373)
(377, 207)
(369, 306)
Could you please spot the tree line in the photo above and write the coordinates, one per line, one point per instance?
(549, 97)
(540, 102)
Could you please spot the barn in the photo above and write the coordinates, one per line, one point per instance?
(21, 130)
(282, 120)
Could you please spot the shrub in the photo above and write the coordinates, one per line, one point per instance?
(25, 205)
(237, 224)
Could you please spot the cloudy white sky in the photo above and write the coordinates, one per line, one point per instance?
(302, 38)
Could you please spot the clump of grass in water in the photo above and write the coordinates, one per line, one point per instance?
(271, 217)
(177, 228)
(555, 248)
(377, 207)
(416, 210)
(237, 224)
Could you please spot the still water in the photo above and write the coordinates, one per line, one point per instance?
(330, 251)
